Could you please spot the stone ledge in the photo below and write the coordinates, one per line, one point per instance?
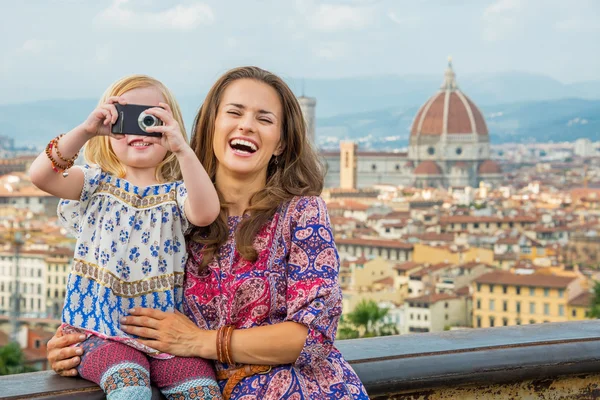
(566, 354)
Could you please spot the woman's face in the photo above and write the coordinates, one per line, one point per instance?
(247, 129)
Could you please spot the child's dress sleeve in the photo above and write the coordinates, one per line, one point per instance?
(182, 196)
(71, 212)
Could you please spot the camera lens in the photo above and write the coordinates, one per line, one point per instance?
(149, 121)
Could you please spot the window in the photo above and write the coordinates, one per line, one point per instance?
(418, 317)
(518, 288)
(446, 317)
(518, 306)
(425, 317)
(491, 288)
(492, 320)
(397, 167)
(38, 343)
(479, 322)
(561, 310)
(518, 321)
(561, 293)
(431, 151)
(479, 304)
(479, 287)
(446, 305)
(411, 316)
(546, 292)
(532, 291)
(458, 151)
(504, 321)
(532, 308)
(574, 313)
(492, 305)
(505, 306)
(504, 289)
(546, 309)
(374, 167)
(532, 321)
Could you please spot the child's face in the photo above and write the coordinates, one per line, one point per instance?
(133, 151)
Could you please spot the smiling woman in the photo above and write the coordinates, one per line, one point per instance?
(261, 282)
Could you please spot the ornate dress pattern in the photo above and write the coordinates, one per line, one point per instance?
(130, 251)
(295, 278)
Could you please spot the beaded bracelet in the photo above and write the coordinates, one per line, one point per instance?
(55, 165)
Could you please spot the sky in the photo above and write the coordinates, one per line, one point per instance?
(76, 48)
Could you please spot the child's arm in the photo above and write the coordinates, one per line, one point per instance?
(202, 206)
(41, 171)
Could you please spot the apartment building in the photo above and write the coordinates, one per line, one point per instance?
(503, 298)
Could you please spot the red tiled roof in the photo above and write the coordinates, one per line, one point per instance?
(406, 266)
(535, 280)
(387, 281)
(431, 298)
(394, 244)
(489, 167)
(583, 300)
(427, 168)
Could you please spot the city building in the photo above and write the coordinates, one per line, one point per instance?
(308, 106)
(502, 298)
(449, 145)
(434, 313)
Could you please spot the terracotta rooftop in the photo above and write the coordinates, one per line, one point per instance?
(394, 244)
(388, 281)
(583, 300)
(489, 167)
(534, 280)
(427, 168)
(407, 266)
(431, 298)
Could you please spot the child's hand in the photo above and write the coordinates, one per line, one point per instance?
(100, 121)
(172, 138)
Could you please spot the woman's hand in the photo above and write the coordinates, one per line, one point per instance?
(62, 357)
(100, 121)
(172, 333)
(172, 138)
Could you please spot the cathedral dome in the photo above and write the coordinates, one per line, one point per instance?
(428, 168)
(449, 111)
(489, 167)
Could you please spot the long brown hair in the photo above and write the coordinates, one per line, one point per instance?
(297, 171)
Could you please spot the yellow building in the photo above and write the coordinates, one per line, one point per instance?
(579, 307)
(502, 298)
(375, 280)
(453, 255)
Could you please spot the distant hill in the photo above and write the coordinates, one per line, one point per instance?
(379, 110)
(525, 122)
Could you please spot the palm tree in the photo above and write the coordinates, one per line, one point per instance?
(12, 360)
(368, 318)
(595, 304)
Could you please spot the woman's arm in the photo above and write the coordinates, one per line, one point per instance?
(176, 334)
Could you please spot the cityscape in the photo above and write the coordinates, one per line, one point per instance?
(451, 232)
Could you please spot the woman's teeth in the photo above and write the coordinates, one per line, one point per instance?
(139, 144)
(243, 145)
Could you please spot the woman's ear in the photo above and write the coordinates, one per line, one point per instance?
(278, 150)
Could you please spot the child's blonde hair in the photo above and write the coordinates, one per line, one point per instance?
(98, 150)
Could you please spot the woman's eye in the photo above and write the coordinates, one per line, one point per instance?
(234, 112)
(268, 121)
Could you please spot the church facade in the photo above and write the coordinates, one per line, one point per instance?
(449, 145)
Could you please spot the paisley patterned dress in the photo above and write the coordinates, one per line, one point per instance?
(295, 278)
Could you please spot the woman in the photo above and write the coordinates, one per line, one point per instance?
(267, 267)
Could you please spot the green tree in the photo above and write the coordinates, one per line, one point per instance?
(368, 317)
(595, 305)
(12, 360)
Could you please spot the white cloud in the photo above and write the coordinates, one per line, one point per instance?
(577, 25)
(404, 20)
(331, 50)
(37, 46)
(335, 17)
(500, 19)
(179, 17)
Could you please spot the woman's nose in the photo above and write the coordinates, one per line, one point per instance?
(246, 124)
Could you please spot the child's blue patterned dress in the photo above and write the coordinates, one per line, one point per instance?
(130, 252)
